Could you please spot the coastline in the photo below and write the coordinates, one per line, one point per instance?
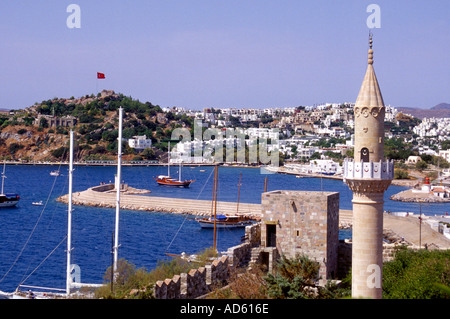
(282, 170)
(418, 197)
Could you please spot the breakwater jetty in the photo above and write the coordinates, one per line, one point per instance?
(415, 196)
(133, 199)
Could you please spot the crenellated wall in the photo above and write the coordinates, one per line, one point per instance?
(198, 282)
(195, 283)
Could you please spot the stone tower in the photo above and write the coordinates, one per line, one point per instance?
(302, 223)
(368, 176)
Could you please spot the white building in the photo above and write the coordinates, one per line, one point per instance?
(139, 142)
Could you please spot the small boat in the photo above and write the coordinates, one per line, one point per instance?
(8, 199)
(223, 221)
(55, 173)
(39, 203)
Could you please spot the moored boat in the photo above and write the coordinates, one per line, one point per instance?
(166, 180)
(8, 199)
(169, 181)
(54, 173)
(223, 221)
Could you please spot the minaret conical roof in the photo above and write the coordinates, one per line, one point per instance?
(370, 93)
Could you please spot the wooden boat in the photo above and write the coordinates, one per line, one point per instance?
(224, 221)
(169, 181)
(166, 180)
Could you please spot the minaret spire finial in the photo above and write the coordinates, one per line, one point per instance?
(370, 61)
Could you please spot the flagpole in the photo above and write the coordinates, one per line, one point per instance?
(99, 76)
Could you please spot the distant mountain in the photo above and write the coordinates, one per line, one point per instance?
(440, 111)
(441, 106)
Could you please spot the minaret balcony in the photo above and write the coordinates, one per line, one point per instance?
(382, 170)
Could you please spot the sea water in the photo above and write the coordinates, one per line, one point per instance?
(32, 238)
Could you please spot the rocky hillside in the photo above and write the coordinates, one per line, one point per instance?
(29, 135)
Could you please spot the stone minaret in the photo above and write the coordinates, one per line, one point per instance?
(368, 176)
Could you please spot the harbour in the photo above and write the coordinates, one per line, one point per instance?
(30, 232)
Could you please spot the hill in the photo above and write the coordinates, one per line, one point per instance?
(29, 134)
(441, 110)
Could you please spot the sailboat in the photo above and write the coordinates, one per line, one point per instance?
(72, 270)
(8, 199)
(72, 274)
(224, 221)
(166, 180)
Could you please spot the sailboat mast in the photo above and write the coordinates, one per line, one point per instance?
(215, 206)
(239, 192)
(168, 160)
(118, 186)
(69, 219)
(3, 175)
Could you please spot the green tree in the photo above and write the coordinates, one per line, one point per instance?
(397, 149)
(296, 278)
(400, 174)
(292, 278)
(148, 154)
(43, 122)
(422, 274)
(60, 153)
(445, 145)
(421, 165)
(14, 147)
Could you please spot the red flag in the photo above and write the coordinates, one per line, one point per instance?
(100, 75)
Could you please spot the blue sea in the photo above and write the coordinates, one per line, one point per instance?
(32, 238)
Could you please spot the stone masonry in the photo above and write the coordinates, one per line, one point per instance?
(198, 282)
(303, 223)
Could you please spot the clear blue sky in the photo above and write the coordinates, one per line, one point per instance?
(217, 53)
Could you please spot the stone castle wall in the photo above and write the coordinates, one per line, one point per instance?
(303, 223)
(198, 282)
(195, 283)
